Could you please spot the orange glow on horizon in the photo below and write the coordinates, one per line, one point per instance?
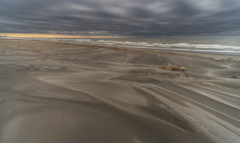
(24, 35)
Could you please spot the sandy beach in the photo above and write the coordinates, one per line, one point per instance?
(70, 93)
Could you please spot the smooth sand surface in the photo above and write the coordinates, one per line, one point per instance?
(69, 93)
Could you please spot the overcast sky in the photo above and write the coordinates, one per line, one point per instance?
(147, 18)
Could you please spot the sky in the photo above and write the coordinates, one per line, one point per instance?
(121, 18)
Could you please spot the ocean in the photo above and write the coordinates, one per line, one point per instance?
(206, 45)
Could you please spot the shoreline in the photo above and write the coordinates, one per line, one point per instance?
(145, 48)
(203, 54)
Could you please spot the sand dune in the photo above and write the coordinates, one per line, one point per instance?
(56, 92)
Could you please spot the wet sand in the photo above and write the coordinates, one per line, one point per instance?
(58, 93)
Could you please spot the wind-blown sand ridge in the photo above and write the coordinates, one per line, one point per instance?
(59, 92)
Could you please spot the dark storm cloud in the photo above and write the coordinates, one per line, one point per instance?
(148, 18)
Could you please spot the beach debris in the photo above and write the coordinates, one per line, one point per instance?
(180, 69)
(166, 67)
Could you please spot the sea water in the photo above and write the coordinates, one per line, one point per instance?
(206, 45)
